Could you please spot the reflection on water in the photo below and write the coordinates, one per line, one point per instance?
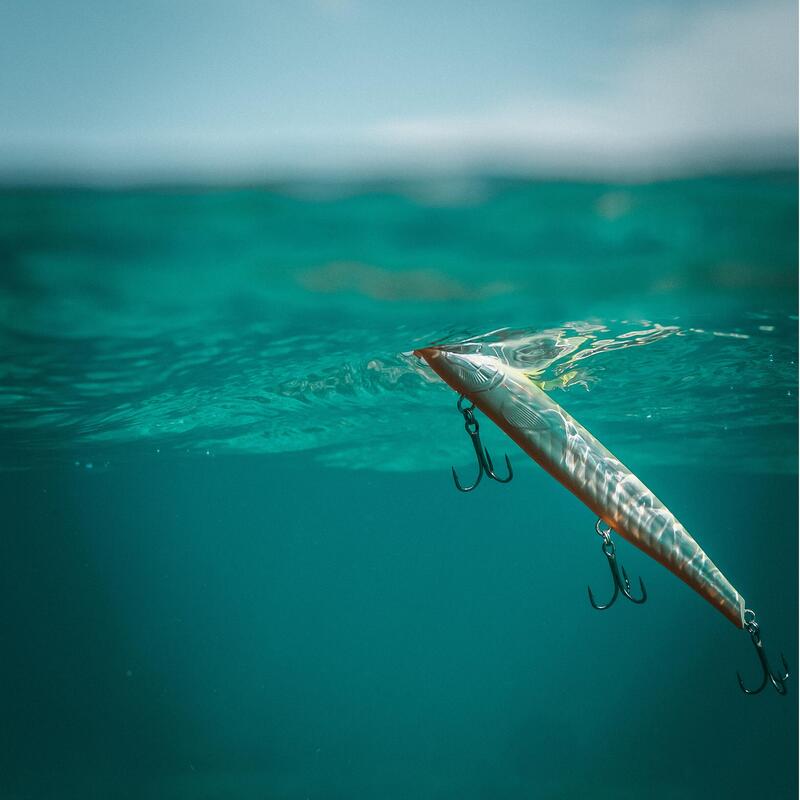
(107, 400)
(280, 319)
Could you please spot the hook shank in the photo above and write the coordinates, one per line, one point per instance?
(619, 576)
(778, 682)
(485, 465)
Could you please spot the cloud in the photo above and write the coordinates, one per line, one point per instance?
(733, 72)
(719, 84)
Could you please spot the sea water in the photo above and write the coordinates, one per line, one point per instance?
(234, 562)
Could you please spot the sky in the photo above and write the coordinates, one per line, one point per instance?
(102, 90)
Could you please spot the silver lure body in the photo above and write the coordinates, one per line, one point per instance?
(562, 446)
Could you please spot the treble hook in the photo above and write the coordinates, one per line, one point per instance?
(484, 459)
(752, 628)
(621, 582)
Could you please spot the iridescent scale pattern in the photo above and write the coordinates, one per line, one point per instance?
(549, 435)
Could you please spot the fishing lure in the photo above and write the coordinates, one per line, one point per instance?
(563, 447)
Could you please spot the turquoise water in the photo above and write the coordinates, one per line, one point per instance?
(235, 564)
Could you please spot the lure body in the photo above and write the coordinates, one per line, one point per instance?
(552, 438)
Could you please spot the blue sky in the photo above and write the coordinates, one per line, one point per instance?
(117, 90)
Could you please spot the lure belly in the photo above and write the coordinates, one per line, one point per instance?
(563, 447)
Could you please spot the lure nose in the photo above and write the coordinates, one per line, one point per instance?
(466, 372)
(427, 353)
(433, 357)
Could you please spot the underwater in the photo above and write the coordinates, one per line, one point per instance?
(236, 565)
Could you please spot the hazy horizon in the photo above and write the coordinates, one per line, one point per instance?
(249, 93)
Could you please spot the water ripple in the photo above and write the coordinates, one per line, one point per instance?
(669, 393)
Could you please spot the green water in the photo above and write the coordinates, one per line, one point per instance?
(234, 563)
